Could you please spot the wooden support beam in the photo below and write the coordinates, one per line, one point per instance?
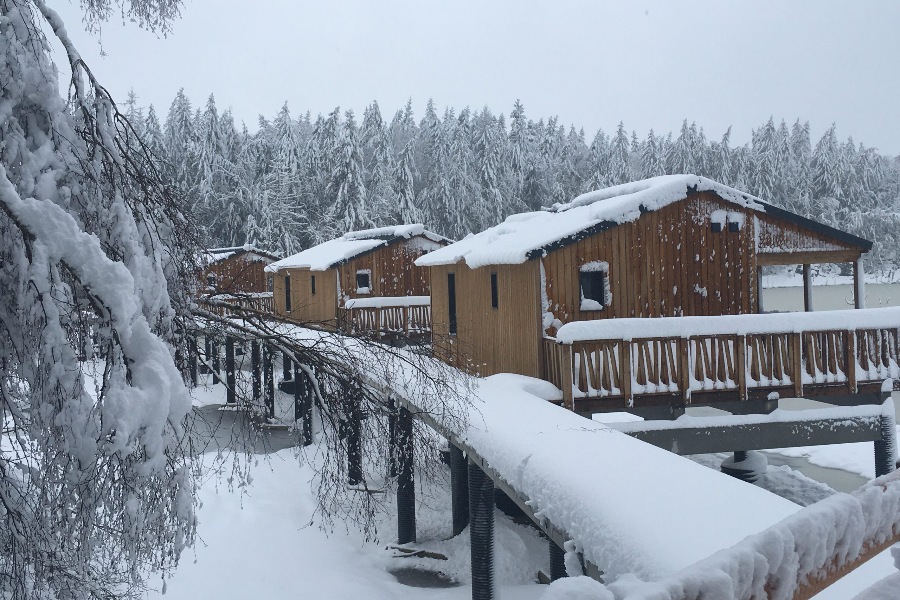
(859, 284)
(807, 258)
(760, 305)
(807, 289)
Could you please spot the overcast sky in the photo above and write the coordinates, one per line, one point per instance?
(649, 64)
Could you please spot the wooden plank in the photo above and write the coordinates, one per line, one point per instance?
(807, 257)
(625, 367)
(797, 364)
(566, 368)
(741, 365)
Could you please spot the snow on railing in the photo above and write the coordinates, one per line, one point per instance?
(794, 559)
(750, 355)
(228, 304)
(391, 315)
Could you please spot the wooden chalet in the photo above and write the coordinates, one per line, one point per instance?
(669, 246)
(237, 275)
(364, 281)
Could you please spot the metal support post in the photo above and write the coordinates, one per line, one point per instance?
(230, 382)
(192, 361)
(459, 488)
(285, 367)
(886, 448)
(255, 373)
(406, 483)
(269, 382)
(216, 366)
(207, 352)
(354, 444)
(481, 533)
(392, 438)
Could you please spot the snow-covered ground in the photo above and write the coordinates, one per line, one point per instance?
(265, 541)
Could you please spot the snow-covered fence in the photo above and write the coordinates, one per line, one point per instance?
(724, 358)
(232, 304)
(386, 315)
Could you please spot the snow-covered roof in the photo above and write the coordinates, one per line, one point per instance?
(214, 255)
(352, 244)
(528, 235)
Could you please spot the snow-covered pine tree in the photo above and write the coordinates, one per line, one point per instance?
(405, 210)
(619, 164)
(378, 165)
(349, 211)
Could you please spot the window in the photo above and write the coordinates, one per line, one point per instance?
(717, 221)
(451, 301)
(287, 293)
(211, 281)
(593, 279)
(363, 281)
(312, 284)
(495, 300)
(270, 283)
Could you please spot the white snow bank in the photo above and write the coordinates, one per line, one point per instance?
(631, 328)
(388, 302)
(351, 244)
(577, 588)
(536, 387)
(511, 241)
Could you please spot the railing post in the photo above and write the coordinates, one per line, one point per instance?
(406, 483)
(741, 366)
(797, 366)
(378, 322)
(566, 371)
(406, 313)
(481, 533)
(684, 361)
(850, 361)
(459, 489)
(625, 363)
(230, 396)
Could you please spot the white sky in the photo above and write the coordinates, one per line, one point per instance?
(650, 64)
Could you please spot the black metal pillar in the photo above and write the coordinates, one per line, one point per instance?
(269, 382)
(481, 533)
(207, 352)
(192, 361)
(285, 367)
(308, 394)
(255, 373)
(885, 449)
(459, 489)
(230, 383)
(557, 562)
(406, 483)
(354, 442)
(216, 366)
(392, 438)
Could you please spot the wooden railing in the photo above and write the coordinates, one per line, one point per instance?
(389, 320)
(723, 366)
(232, 304)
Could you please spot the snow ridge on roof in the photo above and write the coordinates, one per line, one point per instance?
(512, 241)
(214, 255)
(350, 245)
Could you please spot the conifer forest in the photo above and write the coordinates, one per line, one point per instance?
(299, 180)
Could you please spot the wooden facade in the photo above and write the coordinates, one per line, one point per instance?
(236, 271)
(668, 262)
(391, 270)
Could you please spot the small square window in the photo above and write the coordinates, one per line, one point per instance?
(593, 281)
(734, 226)
(715, 227)
(211, 280)
(364, 281)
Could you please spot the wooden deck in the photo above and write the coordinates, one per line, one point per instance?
(615, 374)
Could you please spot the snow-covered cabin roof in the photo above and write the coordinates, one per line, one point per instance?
(525, 236)
(352, 245)
(214, 255)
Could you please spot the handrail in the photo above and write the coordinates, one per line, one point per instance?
(727, 357)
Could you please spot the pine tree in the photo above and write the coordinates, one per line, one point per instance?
(349, 211)
(405, 209)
